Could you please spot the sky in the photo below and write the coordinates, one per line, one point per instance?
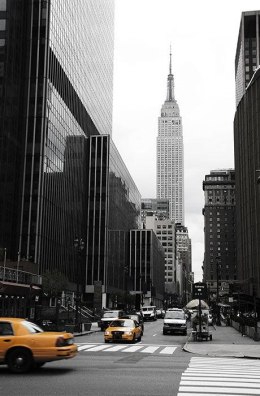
(203, 36)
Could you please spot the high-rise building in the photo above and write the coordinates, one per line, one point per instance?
(219, 230)
(165, 232)
(56, 86)
(248, 51)
(184, 273)
(170, 168)
(157, 207)
(247, 165)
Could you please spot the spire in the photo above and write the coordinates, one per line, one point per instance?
(170, 83)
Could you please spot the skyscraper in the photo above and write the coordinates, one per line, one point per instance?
(220, 230)
(248, 51)
(56, 88)
(170, 169)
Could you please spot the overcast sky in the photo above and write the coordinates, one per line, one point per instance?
(203, 36)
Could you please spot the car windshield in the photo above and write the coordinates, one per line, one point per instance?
(147, 309)
(122, 323)
(110, 315)
(32, 327)
(174, 315)
(134, 317)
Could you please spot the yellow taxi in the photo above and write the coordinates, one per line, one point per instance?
(123, 330)
(24, 345)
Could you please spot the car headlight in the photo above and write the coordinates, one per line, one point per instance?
(128, 333)
(107, 332)
(152, 314)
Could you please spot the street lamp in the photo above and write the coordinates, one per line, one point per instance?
(218, 268)
(79, 245)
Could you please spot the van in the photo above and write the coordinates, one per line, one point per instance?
(175, 322)
(149, 312)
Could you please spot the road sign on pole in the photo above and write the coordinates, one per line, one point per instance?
(200, 291)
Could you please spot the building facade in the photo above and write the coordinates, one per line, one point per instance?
(220, 266)
(170, 161)
(153, 206)
(165, 232)
(146, 268)
(56, 75)
(184, 273)
(114, 207)
(247, 165)
(248, 51)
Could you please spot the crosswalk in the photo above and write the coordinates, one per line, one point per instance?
(207, 376)
(142, 348)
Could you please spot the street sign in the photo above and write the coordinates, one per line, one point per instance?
(200, 291)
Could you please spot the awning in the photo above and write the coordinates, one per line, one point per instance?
(19, 289)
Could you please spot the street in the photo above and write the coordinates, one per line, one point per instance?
(155, 366)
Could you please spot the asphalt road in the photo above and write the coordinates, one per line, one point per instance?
(154, 368)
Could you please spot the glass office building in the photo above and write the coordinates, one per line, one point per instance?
(56, 74)
(114, 207)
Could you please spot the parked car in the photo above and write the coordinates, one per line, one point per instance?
(149, 312)
(108, 317)
(159, 313)
(138, 318)
(24, 345)
(123, 330)
(175, 322)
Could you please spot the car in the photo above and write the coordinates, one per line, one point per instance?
(123, 330)
(24, 345)
(138, 318)
(159, 313)
(175, 322)
(108, 317)
(149, 312)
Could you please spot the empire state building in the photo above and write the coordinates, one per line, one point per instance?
(170, 168)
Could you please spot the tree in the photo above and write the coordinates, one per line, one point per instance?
(53, 283)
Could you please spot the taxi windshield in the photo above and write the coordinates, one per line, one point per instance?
(122, 323)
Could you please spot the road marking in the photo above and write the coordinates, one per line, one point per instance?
(116, 348)
(144, 348)
(133, 348)
(98, 348)
(150, 349)
(83, 347)
(220, 377)
(168, 350)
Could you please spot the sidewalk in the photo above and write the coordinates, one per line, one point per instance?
(226, 341)
(94, 328)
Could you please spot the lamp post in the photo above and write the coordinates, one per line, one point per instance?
(79, 245)
(218, 268)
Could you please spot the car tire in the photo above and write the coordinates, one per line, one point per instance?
(185, 333)
(164, 332)
(19, 360)
(106, 341)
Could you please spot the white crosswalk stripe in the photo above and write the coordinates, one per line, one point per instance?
(220, 377)
(144, 348)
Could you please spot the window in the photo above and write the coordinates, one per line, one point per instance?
(6, 329)
(2, 24)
